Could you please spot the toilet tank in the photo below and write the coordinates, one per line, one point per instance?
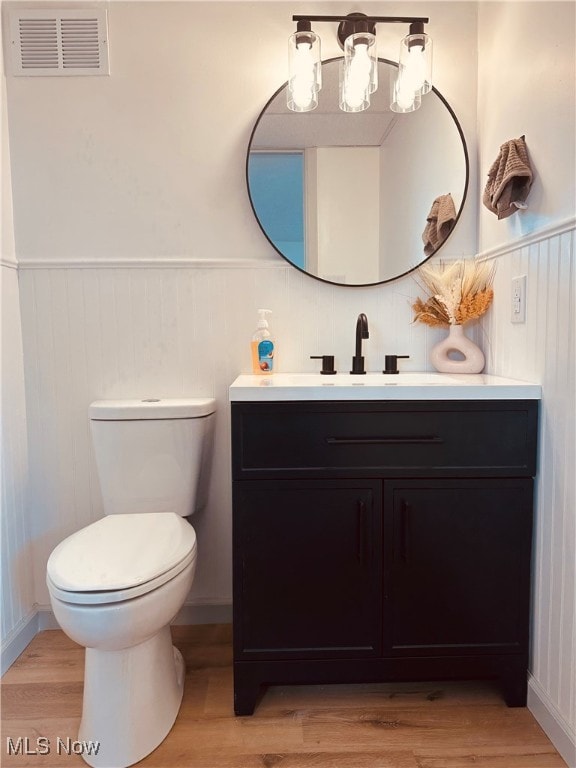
(153, 455)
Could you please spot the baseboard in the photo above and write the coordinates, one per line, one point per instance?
(551, 721)
(204, 613)
(17, 640)
(46, 619)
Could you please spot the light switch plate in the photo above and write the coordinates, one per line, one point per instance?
(518, 308)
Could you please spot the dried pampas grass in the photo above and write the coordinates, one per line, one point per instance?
(457, 292)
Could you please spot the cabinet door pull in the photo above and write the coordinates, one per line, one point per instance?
(360, 531)
(383, 440)
(405, 510)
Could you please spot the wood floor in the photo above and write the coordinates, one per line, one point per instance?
(424, 725)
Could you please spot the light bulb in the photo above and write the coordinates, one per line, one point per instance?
(404, 98)
(360, 67)
(302, 83)
(358, 77)
(354, 97)
(302, 95)
(416, 62)
(304, 80)
(304, 62)
(415, 72)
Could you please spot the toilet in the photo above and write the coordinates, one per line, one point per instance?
(116, 584)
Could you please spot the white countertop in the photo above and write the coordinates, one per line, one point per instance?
(378, 386)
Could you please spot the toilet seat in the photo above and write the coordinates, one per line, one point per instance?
(120, 557)
(117, 596)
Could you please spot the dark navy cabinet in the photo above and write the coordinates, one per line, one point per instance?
(309, 551)
(378, 541)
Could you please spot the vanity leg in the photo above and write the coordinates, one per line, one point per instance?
(514, 680)
(246, 692)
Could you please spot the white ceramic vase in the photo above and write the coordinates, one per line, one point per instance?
(457, 341)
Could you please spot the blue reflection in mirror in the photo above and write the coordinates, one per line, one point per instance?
(276, 182)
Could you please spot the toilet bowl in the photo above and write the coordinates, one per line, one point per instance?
(116, 584)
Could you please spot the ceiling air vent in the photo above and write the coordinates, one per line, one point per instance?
(59, 42)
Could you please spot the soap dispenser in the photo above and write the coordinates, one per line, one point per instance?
(262, 346)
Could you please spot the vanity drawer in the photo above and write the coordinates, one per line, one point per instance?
(385, 439)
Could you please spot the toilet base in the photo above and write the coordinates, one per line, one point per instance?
(131, 700)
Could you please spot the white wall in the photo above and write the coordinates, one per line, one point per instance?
(534, 95)
(113, 333)
(147, 166)
(347, 189)
(544, 350)
(150, 161)
(406, 150)
(526, 71)
(17, 557)
(142, 163)
(7, 227)
(17, 554)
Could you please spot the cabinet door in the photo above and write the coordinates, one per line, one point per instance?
(458, 572)
(307, 569)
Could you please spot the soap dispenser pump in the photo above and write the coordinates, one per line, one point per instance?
(262, 346)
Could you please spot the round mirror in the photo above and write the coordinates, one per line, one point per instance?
(357, 198)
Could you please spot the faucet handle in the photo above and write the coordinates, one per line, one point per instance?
(391, 363)
(327, 364)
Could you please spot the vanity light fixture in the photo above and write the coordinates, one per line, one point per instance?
(359, 68)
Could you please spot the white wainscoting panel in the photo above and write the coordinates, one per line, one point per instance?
(138, 332)
(121, 333)
(544, 350)
(17, 559)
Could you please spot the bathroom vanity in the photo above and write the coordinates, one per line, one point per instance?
(382, 529)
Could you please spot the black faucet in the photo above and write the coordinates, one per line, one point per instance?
(361, 333)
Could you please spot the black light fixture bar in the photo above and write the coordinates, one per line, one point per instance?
(359, 22)
(369, 19)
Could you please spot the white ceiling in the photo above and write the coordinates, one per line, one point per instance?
(327, 125)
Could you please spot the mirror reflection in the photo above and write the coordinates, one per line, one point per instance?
(357, 198)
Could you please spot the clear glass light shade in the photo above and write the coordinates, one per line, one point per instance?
(305, 71)
(402, 97)
(359, 72)
(416, 62)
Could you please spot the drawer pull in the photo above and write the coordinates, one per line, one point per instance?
(383, 440)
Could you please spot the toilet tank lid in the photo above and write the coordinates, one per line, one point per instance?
(120, 552)
(152, 408)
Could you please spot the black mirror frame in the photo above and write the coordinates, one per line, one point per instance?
(390, 279)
